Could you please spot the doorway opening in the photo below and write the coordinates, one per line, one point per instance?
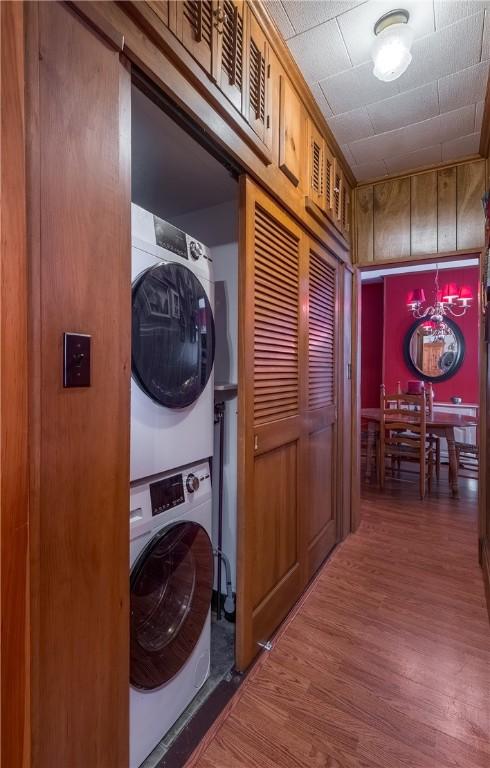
(183, 494)
(407, 348)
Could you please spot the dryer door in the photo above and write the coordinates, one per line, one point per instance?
(171, 585)
(172, 335)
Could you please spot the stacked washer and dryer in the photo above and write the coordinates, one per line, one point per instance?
(172, 399)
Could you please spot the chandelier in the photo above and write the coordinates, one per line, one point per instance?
(452, 300)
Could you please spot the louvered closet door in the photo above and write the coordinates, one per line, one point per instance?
(196, 27)
(231, 50)
(316, 144)
(321, 409)
(269, 545)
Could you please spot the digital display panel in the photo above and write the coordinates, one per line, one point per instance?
(166, 494)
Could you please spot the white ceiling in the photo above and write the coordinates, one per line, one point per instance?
(376, 274)
(432, 113)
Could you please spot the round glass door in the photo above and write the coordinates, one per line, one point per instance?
(170, 594)
(172, 335)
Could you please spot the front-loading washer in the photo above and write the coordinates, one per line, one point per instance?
(171, 582)
(172, 352)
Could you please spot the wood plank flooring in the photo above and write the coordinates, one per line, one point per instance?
(387, 662)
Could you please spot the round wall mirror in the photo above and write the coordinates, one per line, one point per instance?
(434, 357)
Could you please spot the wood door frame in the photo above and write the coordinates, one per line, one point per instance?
(14, 379)
(411, 262)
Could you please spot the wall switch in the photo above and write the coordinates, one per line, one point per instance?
(76, 360)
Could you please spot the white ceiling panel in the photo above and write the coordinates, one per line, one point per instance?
(357, 26)
(305, 15)
(445, 52)
(406, 108)
(320, 51)
(479, 115)
(462, 147)
(417, 159)
(352, 125)
(433, 111)
(278, 13)
(463, 87)
(321, 100)
(448, 11)
(367, 171)
(356, 87)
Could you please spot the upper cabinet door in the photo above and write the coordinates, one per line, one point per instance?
(329, 180)
(316, 165)
(345, 205)
(231, 50)
(337, 193)
(197, 27)
(257, 106)
(290, 131)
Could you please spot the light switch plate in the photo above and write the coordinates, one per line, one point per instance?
(76, 360)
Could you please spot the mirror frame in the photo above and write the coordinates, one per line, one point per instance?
(460, 354)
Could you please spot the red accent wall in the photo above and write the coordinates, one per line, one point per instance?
(371, 343)
(398, 320)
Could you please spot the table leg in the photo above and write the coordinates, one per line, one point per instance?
(453, 463)
(371, 442)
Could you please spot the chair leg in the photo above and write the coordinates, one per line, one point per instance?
(438, 460)
(430, 470)
(422, 479)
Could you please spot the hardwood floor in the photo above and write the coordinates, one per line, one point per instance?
(387, 662)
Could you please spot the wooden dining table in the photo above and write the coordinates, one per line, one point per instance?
(442, 423)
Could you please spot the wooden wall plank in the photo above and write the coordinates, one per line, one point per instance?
(392, 219)
(470, 219)
(290, 131)
(82, 555)
(446, 210)
(14, 378)
(364, 225)
(423, 220)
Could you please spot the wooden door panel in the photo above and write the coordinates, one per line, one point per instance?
(196, 27)
(269, 571)
(275, 518)
(316, 165)
(257, 107)
(231, 50)
(81, 550)
(320, 485)
(290, 131)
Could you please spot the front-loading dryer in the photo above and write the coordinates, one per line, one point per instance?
(172, 351)
(171, 582)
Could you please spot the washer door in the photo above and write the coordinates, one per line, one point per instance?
(171, 585)
(172, 335)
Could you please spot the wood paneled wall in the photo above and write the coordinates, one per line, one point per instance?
(14, 378)
(436, 211)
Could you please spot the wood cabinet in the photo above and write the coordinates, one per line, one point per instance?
(258, 89)
(420, 215)
(291, 129)
(230, 26)
(197, 28)
(316, 165)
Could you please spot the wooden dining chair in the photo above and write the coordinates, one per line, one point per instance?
(434, 439)
(403, 435)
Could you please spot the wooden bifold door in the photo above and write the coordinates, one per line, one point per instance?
(287, 415)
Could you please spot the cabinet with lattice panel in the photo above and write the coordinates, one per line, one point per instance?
(196, 25)
(231, 31)
(316, 166)
(258, 84)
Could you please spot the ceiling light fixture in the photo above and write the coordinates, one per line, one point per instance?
(391, 49)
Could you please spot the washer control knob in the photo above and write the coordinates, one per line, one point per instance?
(195, 249)
(192, 483)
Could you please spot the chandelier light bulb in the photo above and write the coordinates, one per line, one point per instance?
(391, 49)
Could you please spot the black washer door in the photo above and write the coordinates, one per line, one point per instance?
(171, 585)
(172, 335)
